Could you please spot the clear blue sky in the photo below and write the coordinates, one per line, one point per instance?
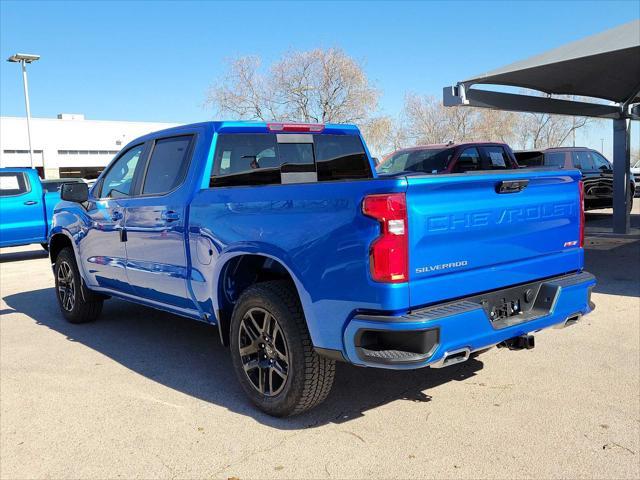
(154, 61)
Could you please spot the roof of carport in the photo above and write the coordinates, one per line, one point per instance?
(605, 65)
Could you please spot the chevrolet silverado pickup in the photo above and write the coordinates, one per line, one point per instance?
(26, 207)
(285, 238)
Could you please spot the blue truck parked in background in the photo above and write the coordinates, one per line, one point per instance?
(26, 208)
(284, 237)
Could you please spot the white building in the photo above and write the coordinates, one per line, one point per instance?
(67, 146)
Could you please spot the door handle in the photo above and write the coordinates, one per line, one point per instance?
(30, 202)
(170, 216)
(116, 215)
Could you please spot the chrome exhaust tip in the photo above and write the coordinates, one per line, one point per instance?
(452, 358)
(570, 320)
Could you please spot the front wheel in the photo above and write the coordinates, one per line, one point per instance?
(272, 353)
(76, 305)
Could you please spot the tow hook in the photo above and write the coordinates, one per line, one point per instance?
(519, 343)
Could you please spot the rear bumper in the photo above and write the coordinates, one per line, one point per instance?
(427, 336)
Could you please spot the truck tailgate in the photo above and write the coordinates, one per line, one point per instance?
(466, 237)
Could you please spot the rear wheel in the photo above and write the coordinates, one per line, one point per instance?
(77, 305)
(272, 353)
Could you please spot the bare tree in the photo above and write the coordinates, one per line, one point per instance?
(542, 130)
(311, 86)
(383, 135)
(426, 121)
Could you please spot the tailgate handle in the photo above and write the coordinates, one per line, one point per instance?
(511, 186)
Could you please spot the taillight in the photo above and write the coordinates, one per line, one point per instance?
(295, 127)
(389, 253)
(581, 188)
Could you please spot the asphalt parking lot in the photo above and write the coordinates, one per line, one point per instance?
(144, 394)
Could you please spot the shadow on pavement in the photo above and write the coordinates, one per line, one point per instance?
(22, 255)
(187, 356)
(613, 259)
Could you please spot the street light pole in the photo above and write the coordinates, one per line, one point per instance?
(23, 59)
(25, 84)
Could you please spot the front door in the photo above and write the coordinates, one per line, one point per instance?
(102, 250)
(594, 195)
(155, 225)
(605, 183)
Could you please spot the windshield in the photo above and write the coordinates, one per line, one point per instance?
(423, 161)
(637, 164)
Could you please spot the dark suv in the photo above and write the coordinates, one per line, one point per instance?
(597, 171)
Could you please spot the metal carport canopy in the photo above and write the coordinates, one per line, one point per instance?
(604, 66)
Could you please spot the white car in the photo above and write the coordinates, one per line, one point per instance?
(635, 171)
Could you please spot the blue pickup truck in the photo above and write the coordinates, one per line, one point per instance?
(26, 207)
(286, 239)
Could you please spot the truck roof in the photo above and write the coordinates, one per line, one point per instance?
(17, 169)
(240, 126)
(433, 146)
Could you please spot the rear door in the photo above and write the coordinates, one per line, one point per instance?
(21, 210)
(481, 231)
(155, 224)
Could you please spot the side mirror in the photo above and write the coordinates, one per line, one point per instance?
(75, 192)
(376, 161)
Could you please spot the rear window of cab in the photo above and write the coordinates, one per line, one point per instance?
(271, 159)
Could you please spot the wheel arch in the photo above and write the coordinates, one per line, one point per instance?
(241, 270)
(58, 241)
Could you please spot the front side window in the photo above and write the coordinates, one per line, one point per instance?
(426, 161)
(13, 183)
(118, 181)
(468, 161)
(167, 166)
(582, 160)
(600, 162)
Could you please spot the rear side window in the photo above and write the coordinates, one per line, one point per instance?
(13, 184)
(496, 159)
(554, 159)
(167, 166)
(267, 159)
(583, 160)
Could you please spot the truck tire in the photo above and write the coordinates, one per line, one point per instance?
(76, 305)
(272, 353)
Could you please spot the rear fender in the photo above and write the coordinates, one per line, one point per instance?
(267, 251)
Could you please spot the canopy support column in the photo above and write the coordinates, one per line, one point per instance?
(621, 175)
